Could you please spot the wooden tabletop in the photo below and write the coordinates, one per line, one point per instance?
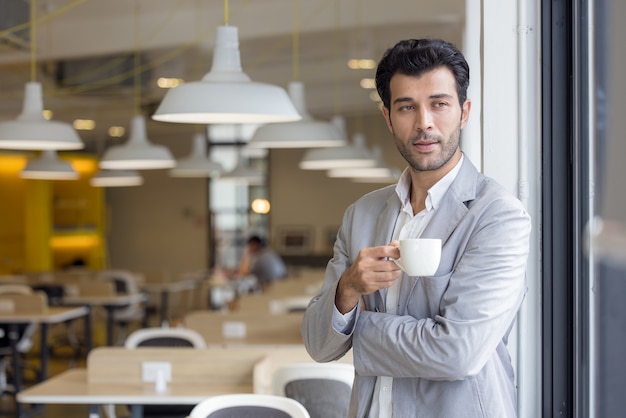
(50, 315)
(73, 387)
(105, 300)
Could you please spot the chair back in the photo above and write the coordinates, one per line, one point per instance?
(15, 289)
(249, 405)
(164, 337)
(21, 301)
(124, 282)
(323, 388)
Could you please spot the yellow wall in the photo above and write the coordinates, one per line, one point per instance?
(45, 224)
(12, 205)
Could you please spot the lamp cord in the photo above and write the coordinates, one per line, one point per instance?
(296, 41)
(336, 51)
(359, 111)
(33, 37)
(136, 63)
(226, 12)
(45, 18)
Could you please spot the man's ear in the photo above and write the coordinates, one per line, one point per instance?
(465, 110)
(387, 116)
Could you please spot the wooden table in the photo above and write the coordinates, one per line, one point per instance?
(44, 317)
(165, 289)
(246, 328)
(109, 302)
(114, 376)
(73, 387)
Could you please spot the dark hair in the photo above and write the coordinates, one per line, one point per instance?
(256, 240)
(414, 57)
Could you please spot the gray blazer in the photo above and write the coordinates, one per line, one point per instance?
(446, 348)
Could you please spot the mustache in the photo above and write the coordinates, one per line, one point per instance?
(423, 135)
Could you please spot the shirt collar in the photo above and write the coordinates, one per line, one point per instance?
(435, 193)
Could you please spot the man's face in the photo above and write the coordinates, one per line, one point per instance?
(426, 119)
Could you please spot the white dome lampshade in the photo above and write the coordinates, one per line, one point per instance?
(137, 153)
(243, 173)
(31, 131)
(49, 167)
(353, 155)
(394, 176)
(226, 94)
(116, 178)
(305, 133)
(197, 164)
(379, 170)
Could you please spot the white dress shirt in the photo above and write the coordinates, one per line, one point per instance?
(408, 225)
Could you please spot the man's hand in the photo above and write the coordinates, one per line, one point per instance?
(372, 270)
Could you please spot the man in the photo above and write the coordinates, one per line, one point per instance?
(262, 262)
(427, 347)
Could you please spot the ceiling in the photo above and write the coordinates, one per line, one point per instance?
(84, 50)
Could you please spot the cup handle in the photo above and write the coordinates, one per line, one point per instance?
(398, 262)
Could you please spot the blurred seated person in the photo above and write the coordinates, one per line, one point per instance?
(262, 262)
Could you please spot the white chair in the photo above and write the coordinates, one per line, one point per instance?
(125, 283)
(25, 331)
(249, 405)
(165, 337)
(161, 337)
(323, 388)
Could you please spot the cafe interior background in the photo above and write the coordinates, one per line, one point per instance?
(103, 65)
(99, 65)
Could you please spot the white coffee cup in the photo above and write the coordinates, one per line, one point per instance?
(419, 256)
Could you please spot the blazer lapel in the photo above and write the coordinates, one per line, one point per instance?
(453, 205)
(385, 224)
(450, 212)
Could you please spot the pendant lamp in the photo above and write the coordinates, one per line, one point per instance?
(137, 153)
(379, 170)
(353, 155)
(116, 178)
(49, 167)
(305, 133)
(243, 173)
(393, 177)
(197, 164)
(31, 131)
(226, 94)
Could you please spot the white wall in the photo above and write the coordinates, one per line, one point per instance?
(510, 132)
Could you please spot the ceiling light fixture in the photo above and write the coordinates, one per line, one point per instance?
(379, 170)
(49, 167)
(226, 94)
(393, 177)
(305, 133)
(353, 155)
(116, 178)
(31, 130)
(137, 153)
(197, 164)
(243, 173)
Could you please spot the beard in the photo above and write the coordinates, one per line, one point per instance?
(432, 161)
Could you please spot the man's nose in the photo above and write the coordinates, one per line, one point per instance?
(423, 120)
